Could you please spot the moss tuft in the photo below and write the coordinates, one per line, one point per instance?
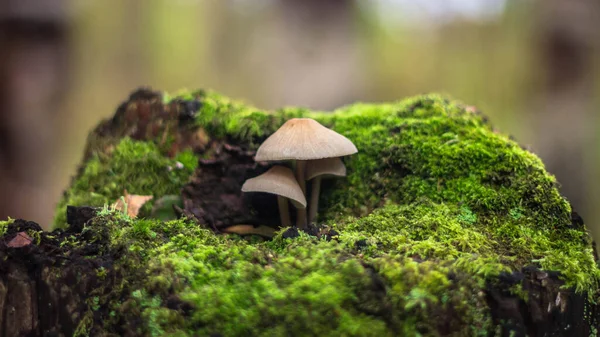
(135, 166)
(4, 225)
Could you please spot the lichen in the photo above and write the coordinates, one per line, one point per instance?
(436, 205)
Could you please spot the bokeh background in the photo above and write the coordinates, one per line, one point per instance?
(531, 65)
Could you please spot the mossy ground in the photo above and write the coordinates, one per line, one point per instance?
(436, 205)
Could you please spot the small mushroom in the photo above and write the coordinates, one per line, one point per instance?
(304, 139)
(279, 180)
(316, 170)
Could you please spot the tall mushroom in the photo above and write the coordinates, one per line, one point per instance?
(303, 139)
(279, 180)
(316, 170)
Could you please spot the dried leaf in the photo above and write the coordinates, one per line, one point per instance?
(132, 203)
(21, 240)
(471, 109)
(249, 229)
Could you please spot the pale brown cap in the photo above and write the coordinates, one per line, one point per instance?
(277, 180)
(325, 167)
(304, 139)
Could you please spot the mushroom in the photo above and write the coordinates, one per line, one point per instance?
(279, 180)
(316, 170)
(304, 139)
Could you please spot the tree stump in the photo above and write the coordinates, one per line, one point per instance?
(443, 226)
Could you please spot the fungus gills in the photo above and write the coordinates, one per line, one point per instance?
(279, 180)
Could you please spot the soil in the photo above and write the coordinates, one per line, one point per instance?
(214, 195)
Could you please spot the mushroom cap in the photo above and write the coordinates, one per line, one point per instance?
(277, 180)
(304, 139)
(325, 167)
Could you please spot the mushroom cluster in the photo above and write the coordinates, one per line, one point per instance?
(314, 152)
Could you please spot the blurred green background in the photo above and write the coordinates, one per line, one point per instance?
(531, 66)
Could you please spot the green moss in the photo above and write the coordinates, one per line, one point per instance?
(137, 167)
(443, 232)
(84, 326)
(258, 286)
(431, 148)
(435, 206)
(223, 117)
(283, 287)
(426, 231)
(4, 225)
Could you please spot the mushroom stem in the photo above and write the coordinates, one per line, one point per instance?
(301, 213)
(300, 169)
(284, 213)
(314, 199)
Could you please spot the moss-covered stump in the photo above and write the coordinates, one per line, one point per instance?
(443, 226)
